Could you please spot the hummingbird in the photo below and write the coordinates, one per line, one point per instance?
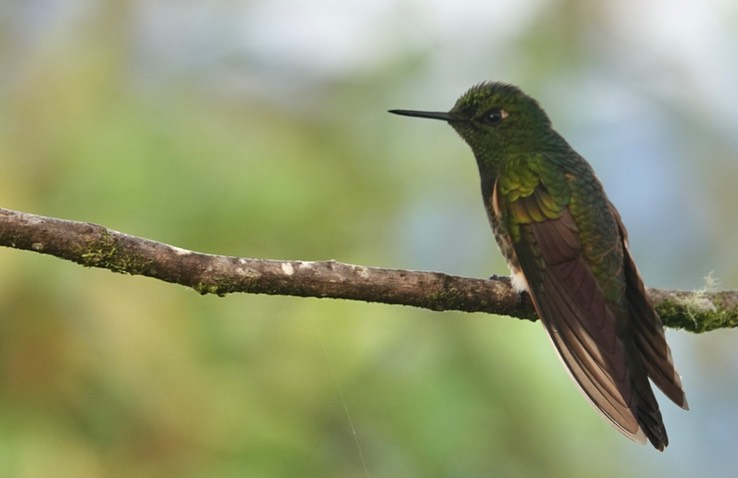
(566, 245)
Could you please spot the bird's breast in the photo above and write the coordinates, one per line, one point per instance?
(504, 241)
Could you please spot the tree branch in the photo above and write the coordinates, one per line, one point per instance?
(93, 245)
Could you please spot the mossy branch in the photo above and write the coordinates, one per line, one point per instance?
(93, 245)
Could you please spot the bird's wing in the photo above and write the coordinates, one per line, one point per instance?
(648, 329)
(570, 302)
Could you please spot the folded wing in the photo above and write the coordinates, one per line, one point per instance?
(591, 333)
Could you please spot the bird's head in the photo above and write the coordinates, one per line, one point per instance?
(495, 119)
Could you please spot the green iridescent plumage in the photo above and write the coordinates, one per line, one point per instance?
(566, 245)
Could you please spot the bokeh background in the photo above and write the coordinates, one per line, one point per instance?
(259, 128)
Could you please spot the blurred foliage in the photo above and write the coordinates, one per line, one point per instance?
(108, 375)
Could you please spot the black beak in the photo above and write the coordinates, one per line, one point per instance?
(424, 114)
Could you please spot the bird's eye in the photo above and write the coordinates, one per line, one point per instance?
(494, 116)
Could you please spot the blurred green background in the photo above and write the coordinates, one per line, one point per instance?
(258, 128)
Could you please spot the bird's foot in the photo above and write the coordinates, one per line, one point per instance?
(519, 293)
